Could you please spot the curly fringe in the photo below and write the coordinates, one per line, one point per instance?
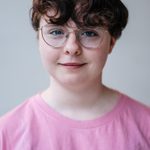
(110, 14)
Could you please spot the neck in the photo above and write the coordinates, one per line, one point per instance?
(83, 96)
(72, 101)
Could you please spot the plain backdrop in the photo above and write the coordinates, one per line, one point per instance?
(21, 71)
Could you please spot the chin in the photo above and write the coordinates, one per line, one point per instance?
(72, 81)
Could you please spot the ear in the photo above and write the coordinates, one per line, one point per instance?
(112, 44)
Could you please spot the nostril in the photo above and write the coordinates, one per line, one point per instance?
(66, 52)
(78, 52)
(72, 52)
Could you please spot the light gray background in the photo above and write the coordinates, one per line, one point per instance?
(21, 72)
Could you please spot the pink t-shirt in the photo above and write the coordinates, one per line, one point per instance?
(34, 125)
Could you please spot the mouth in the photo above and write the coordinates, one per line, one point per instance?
(72, 65)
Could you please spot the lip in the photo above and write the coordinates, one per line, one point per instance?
(72, 65)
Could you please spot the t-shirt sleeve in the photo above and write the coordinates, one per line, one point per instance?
(142, 117)
(3, 140)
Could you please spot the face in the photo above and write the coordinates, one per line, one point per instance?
(73, 64)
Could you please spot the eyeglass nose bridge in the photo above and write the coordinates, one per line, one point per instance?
(76, 35)
(72, 42)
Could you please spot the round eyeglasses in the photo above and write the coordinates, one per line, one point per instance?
(56, 36)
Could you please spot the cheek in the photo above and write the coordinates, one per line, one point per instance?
(100, 55)
(99, 58)
(99, 64)
(103, 52)
(48, 55)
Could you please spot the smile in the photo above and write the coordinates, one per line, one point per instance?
(72, 65)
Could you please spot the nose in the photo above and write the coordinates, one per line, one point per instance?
(72, 46)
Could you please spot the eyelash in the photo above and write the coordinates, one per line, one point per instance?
(85, 33)
(90, 33)
(56, 32)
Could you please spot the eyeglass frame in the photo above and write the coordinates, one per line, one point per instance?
(67, 35)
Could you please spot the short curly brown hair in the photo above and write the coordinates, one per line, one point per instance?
(111, 14)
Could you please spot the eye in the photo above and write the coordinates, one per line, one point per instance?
(89, 33)
(56, 32)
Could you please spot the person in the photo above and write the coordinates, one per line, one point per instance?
(77, 111)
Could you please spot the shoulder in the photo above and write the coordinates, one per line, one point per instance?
(16, 115)
(136, 107)
(14, 124)
(135, 115)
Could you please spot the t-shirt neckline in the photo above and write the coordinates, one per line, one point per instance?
(109, 116)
